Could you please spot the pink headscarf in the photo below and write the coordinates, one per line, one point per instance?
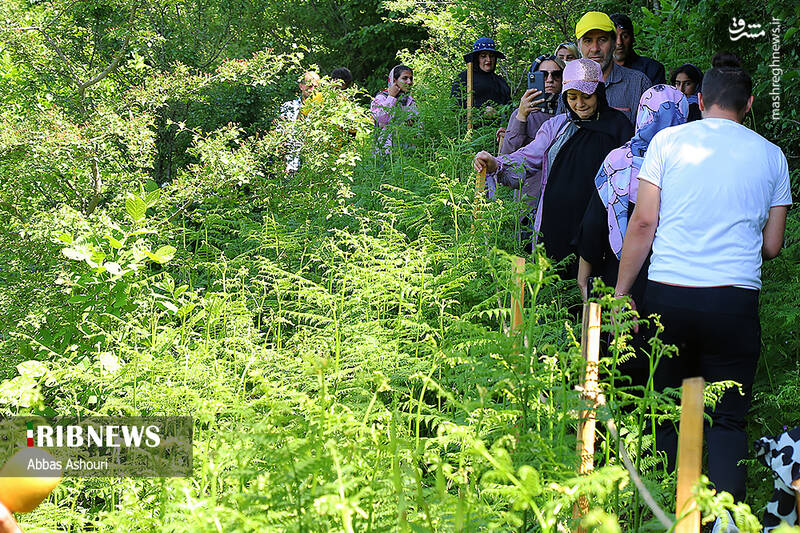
(661, 106)
(391, 74)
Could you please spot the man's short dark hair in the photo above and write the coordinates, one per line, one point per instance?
(343, 74)
(726, 59)
(623, 21)
(727, 87)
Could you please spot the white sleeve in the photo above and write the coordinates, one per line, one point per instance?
(782, 194)
(653, 165)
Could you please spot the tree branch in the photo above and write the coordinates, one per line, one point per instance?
(97, 182)
(52, 44)
(110, 68)
(83, 85)
(10, 209)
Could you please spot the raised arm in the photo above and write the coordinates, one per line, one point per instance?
(517, 131)
(511, 167)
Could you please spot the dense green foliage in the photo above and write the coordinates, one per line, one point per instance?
(340, 336)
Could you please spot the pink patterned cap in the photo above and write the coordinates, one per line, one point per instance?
(582, 74)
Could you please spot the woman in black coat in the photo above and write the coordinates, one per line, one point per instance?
(487, 87)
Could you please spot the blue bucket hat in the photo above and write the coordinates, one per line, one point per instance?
(484, 44)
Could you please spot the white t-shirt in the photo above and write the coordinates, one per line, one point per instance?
(718, 180)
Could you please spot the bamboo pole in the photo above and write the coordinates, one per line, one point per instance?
(480, 193)
(517, 297)
(480, 183)
(469, 96)
(590, 350)
(690, 455)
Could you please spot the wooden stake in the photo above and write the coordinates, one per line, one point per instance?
(480, 183)
(690, 454)
(517, 297)
(590, 350)
(500, 143)
(469, 96)
(480, 192)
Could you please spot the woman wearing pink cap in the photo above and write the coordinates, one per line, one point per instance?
(568, 149)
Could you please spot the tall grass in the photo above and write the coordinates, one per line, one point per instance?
(341, 339)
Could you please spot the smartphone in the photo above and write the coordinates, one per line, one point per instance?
(536, 81)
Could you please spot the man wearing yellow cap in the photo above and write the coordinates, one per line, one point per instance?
(597, 38)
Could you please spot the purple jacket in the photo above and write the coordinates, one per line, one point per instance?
(529, 159)
(518, 134)
(383, 109)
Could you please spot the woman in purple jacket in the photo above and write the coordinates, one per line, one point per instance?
(526, 120)
(568, 149)
(394, 106)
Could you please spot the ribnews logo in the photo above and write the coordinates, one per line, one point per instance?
(74, 436)
(103, 446)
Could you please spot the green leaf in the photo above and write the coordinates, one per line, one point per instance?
(152, 197)
(113, 268)
(141, 232)
(185, 309)
(529, 478)
(135, 207)
(77, 254)
(97, 257)
(33, 369)
(166, 304)
(114, 242)
(162, 255)
(66, 238)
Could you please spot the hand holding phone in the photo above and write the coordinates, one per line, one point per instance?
(394, 90)
(529, 101)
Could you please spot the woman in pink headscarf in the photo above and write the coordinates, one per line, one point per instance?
(599, 240)
(394, 106)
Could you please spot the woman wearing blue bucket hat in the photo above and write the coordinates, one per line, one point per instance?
(486, 85)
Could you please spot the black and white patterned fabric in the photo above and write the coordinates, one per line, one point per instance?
(782, 455)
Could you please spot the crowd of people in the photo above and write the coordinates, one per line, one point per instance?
(677, 215)
(656, 189)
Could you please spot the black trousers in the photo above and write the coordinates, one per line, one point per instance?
(718, 335)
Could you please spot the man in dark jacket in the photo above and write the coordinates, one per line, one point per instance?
(625, 56)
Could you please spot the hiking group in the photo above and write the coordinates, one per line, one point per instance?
(655, 188)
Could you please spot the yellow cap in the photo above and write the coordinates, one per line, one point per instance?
(593, 20)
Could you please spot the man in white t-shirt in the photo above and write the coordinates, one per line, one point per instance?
(712, 204)
(288, 117)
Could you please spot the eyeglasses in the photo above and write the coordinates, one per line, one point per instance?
(555, 75)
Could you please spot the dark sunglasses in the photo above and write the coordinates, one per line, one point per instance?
(554, 74)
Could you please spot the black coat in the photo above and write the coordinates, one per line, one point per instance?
(570, 180)
(485, 88)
